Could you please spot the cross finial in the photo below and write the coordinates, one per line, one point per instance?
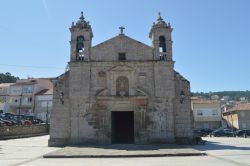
(82, 17)
(121, 29)
(159, 14)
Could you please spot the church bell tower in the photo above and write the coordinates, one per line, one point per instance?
(81, 38)
(160, 35)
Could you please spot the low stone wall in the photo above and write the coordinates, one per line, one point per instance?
(9, 132)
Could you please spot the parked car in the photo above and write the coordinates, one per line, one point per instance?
(202, 132)
(8, 114)
(22, 120)
(224, 133)
(243, 133)
(26, 122)
(13, 121)
(6, 122)
(33, 119)
(2, 123)
(198, 133)
(10, 118)
(207, 131)
(40, 121)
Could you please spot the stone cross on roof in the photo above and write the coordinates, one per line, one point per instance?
(121, 29)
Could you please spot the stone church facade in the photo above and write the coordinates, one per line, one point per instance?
(121, 91)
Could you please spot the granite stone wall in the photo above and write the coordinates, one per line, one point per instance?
(8, 132)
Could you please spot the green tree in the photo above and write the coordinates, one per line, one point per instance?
(7, 78)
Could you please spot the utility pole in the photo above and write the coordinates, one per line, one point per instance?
(19, 110)
(47, 112)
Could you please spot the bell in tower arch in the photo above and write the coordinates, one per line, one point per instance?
(80, 48)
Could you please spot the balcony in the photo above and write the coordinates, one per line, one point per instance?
(164, 56)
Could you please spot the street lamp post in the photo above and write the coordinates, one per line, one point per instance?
(182, 96)
(61, 97)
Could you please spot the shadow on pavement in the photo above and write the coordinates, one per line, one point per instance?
(211, 145)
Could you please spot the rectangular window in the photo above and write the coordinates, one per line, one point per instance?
(30, 99)
(122, 57)
(27, 89)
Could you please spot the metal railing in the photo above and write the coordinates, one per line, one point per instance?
(164, 56)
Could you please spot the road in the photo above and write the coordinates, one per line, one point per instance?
(221, 151)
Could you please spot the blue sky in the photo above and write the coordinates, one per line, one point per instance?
(211, 38)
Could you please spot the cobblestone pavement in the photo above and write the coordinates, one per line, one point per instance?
(221, 151)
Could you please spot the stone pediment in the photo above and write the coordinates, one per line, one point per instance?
(110, 49)
(121, 39)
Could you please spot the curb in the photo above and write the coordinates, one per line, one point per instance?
(126, 156)
(22, 136)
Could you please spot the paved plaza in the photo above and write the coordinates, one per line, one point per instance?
(220, 151)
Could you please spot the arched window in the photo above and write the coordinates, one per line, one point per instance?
(162, 44)
(80, 48)
(122, 86)
(162, 48)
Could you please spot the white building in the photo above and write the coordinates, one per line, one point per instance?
(4, 96)
(22, 94)
(43, 104)
(207, 113)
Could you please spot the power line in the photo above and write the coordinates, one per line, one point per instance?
(37, 67)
